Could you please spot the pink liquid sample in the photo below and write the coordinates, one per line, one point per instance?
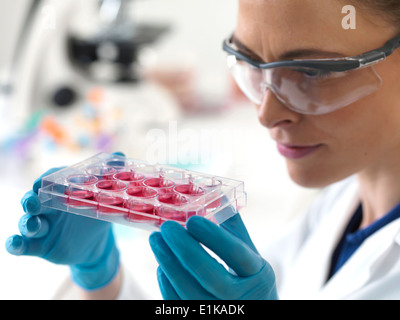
(173, 198)
(190, 190)
(132, 178)
(212, 188)
(111, 205)
(161, 184)
(102, 172)
(112, 185)
(140, 203)
(214, 204)
(75, 195)
(113, 188)
(171, 213)
(77, 190)
(107, 200)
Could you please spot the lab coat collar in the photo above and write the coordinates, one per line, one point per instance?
(307, 276)
(397, 239)
(375, 258)
(332, 229)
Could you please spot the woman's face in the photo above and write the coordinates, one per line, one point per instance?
(361, 138)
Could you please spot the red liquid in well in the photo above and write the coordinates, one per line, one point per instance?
(190, 190)
(159, 183)
(111, 185)
(112, 201)
(170, 213)
(132, 178)
(111, 205)
(213, 204)
(102, 173)
(145, 208)
(173, 198)
(141, 192)
(212, 188)
(75, 195)
(177, 214)
(137, 204)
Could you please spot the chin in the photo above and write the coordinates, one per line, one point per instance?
(313, 178)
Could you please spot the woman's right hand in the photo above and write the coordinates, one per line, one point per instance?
(86, 245)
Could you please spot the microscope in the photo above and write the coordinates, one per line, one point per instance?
(78, 62)
(55, 61)
(116, 44)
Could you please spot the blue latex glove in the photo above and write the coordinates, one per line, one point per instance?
(188, 272)
(86, 245)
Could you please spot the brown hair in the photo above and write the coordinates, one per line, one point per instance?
(387, 9)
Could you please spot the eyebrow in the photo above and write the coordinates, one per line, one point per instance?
(289, 55)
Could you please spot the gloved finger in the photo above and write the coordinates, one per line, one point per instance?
(229, 219)
(226, 212)
(118, 153)
(20, 246)
(33, 226)
(16, 245)
(231, 249)
(167, 290)
(235, 226)
(180, 279)
(119, 161)
(38, 182)
(212, 276)
(31, 204)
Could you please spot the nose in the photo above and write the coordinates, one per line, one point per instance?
(273, 113)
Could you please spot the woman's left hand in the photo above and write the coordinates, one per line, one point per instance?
(187, 271)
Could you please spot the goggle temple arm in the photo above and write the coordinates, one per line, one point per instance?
(380, 54)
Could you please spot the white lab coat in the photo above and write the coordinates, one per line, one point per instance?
(301, 258)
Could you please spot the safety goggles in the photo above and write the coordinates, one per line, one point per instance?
(314, 87)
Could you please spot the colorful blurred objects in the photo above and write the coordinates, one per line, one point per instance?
(51, 128)
(86, 127)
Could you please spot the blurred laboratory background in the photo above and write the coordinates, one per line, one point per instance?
(145, 77)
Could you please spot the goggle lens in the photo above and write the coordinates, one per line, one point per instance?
(305, 90)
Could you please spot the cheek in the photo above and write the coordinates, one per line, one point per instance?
(352, 141)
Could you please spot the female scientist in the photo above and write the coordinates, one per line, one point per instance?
(330, 97)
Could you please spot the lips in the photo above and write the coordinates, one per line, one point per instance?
(297, 151)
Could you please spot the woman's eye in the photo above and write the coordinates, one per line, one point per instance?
(311, 73)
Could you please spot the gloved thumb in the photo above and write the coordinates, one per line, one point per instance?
(235, 226)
